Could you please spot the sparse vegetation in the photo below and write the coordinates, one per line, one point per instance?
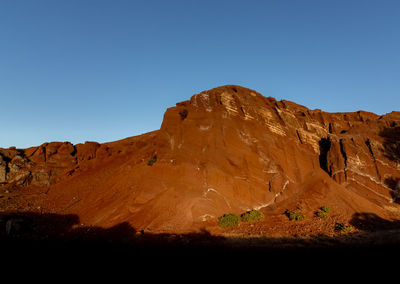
(229, 220)
(342, 228)
(325, 209)
(152, 160)
(322, 214)
(293, 215)
(252, 216)
(232, 220)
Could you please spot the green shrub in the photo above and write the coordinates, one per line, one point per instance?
(229, 220)
(341, 228)
(326, 209)
(322, 214)
(152, 160)
(293, 215)
(252, 216)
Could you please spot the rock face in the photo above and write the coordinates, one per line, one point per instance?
(226, 150)
(43, 165)
(3, 170)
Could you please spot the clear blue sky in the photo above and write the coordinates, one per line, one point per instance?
(92, 70)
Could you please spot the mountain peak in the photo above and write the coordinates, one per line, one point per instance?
(226, 150)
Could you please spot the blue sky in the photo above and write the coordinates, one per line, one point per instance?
(93, 70)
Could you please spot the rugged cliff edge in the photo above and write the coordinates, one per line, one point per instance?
(226, 150)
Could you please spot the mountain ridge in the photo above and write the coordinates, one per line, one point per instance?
(225, 150)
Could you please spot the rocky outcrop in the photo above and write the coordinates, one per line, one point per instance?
(226, 150)
(3, 169)
(43, 165)
(357, 150)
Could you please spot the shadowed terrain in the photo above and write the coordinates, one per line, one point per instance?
(226, 150)
(29, 231)
(391, 144)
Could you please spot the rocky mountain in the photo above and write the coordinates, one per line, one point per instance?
(226, 150)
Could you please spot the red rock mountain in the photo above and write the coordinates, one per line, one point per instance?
(226, 150)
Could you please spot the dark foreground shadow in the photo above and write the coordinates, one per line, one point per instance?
(394, 184)
(60, 238)
(370, 222)
(391, 143)
(391, 150)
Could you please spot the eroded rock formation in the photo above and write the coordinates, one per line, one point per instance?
(43, 165)
(225, 150)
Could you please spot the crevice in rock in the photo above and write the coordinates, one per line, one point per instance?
(330, 127)
(324, 147)
(368, 143)
(33, 153)
(6, 159)
(74, 151)
(319, 117)
(6, 162)
(360, 117)
(298, 136)
(344, 157)
(44, 154)
(21, 153)
(282, 122)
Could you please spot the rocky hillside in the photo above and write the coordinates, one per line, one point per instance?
(226, 150)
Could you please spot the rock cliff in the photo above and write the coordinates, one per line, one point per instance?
(226, 150)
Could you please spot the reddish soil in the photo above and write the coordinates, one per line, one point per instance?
(226, 150)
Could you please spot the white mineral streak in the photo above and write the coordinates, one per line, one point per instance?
(273, 199)
(205, 99)
(270, 122)
(247, 116)
(244, 137)
(363, 174)
(206, 217)
(310, 139)
(276, 128)
(266, 113)
(228, 102)
(204, 127)
(289, 118)
(370, 189)
(194, 101)
(355, 162)
(216, 191)
(317, 128)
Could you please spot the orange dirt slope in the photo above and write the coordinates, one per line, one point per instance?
(226, 150)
